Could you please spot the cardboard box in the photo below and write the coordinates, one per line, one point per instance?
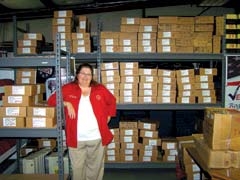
(41, 111)
(148, 133)
(147, 99)
(124, 86)
(16, 111)
(63, 13)
(148, 79)
(148, 125)
(40, 122)
(18, 100)
(166, 99)
(12, 122)
(25, 90)
(130, 20)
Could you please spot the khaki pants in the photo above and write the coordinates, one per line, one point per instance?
(87, 160)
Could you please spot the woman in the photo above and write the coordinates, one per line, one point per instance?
(89, 107)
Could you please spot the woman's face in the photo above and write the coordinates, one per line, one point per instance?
(84, 77)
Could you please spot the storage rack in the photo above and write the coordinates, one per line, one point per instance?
(41, 61)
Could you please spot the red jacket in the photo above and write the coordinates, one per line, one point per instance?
(103, 104)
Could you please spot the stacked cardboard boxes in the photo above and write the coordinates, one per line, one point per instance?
(112, 153)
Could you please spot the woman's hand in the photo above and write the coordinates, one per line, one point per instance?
(70, 110)
(108, 119)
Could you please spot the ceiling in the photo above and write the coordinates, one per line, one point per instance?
(32, 9)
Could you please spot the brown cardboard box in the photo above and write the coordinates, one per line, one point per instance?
(167, 86)
(167, 19)
(183, 93)
(185, 80)
(148, 125)
(112, 85)
(208, 71)
(129, 72)
(63, 13)
(129, 139)
(186, 99)
(148, 21)
(128, 35)
(207, 99)
(204, 85)
(166, 99)
(80, 36)
(17, 100)
(127, 42)
(147, 99)
(40, 122)
(26, 90)
(130, 20)
(186, 86)
(12, 122)
(41, 111)
(167, 93)
(36, 36)
(52, 143)
(148, 92)
(129, 79)
(110, 66)
(147, 49)
(128, 65)
(111, 72)
(125, 124)
(147, 28)
(128, 93)
(128, 132)
(124, 86)
(16, 111)
(109, 79)
(129, 28)
(147, 35)
(128, 99)
(149, 85)
(148, 79)
(128, 49)
(147, 72)
(109, 35)
(204, 19)
(27, 50)
(61, 28)
(166, 48)
(166, 73)
(185, 72)
(110, 49)
(67, 21)
(148, 133)
(166, 42)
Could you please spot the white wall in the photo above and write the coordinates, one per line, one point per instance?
(110, 20)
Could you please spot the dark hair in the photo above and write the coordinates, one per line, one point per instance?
(85, 65)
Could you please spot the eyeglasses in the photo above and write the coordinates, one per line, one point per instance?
(85, 74)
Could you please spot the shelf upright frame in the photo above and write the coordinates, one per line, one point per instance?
(59, 108)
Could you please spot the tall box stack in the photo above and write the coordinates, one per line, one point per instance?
(203, 34)
(26, 76)
(128, 42)
(169, 146)
(166, 86)
(110, 77)
(186, 86)
(219, 32)
(31, 43)
(150, 141)
(63, 23)
(147, 35)
(129, 24)
(129, 82)
(112, 153)
(129, 141)
(109, 41)
(81, 39)
(204, 85)
(147, 90)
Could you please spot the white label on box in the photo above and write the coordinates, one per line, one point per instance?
(147, 28)
(167, 34)
(195, 168)
(111, 158)
(128, 72)
(207, 99)
(39, 111)
(147, 92)
(110, 78)
(166, 73)
(12, 111)
(147, 49)
(149, 78)
(128, 132)
(109, 42)
(63, 42)
(148, 153)
(15, 99)
(109, 48)
(127, 42)
(147, 85)
(82, 24)
(166, 87)
(186, 93)
(128, 158)
(208, 71)
(147, 71)
(81, 49)
(111, 145)
(38, 122)
(171, 158)
(206, 92)
(80, 42)
(18, 90)
(110, 73)
(61, 28)
(184, 72)
(146, 126)
(166, 99)
(203, 78)
(146, 42)
(25, 80)
(146, 158)
(185, 100)
(185, 79)
(26, 50)
(63, 35)
(62, 13)
(130, 20)
(27, 43)
(173, 152)
(60, 21)
(170, 145)
(166, 49)
(128, 151)
(38, 88)
(26, 73)
(147, 99)
(79, 35)
(127, 49)
(129, 65)
(166, 80)
(166, 93)
(128, 99)
(165, 41)
(129, 145)
(128, 86)
(127, 139)
(146, 36)
(46, 143)
(129, 79)
(110, 86)
(187, 87)
(148, 134)
(152, 142)
(32, 36)
(9, 122)
(127, 92)
(204, 85)
(148, 147)
(111, 152)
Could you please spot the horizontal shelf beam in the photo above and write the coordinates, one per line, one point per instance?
(129, 165)
(165, 106)
(28, 132)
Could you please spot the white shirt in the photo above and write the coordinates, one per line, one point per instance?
(87, 126)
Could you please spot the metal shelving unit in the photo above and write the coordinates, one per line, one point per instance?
(58, 62)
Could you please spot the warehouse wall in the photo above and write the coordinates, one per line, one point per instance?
(111, 20)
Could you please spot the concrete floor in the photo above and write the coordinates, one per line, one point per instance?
(140, 174)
